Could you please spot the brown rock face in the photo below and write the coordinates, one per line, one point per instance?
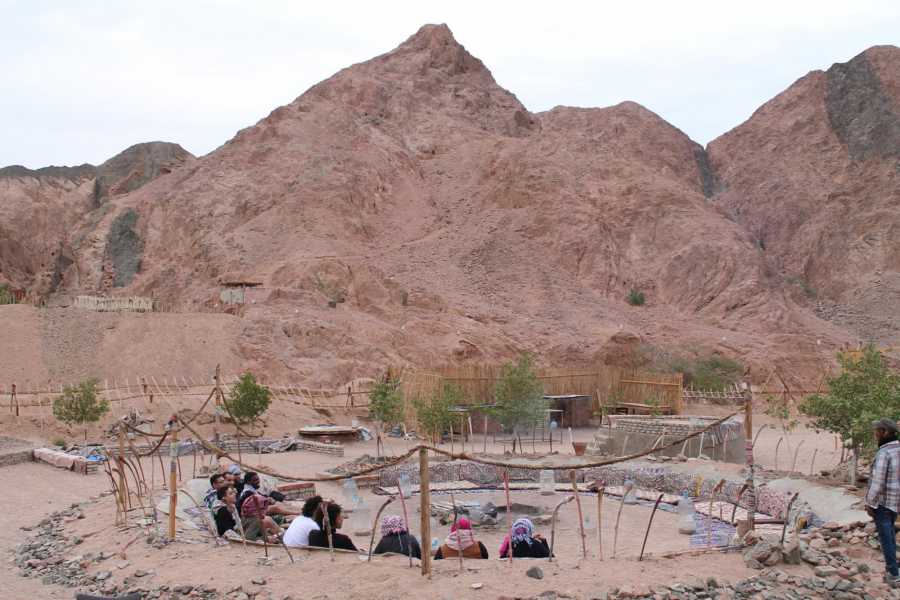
(47, 215)
(814, 176)
(408, 209)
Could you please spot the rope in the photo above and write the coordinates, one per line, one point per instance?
(454, 456)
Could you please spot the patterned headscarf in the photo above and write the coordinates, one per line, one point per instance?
(392, 524)
(522, 531)
(457, 540)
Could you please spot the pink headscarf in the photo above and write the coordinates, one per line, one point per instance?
(392, 524)
(459, 542)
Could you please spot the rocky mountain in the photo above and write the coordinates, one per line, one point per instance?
(410, 210)
(43, 212)
(814, 177)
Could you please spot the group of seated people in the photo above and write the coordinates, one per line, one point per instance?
(239, 503)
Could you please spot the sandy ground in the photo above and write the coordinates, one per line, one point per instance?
(39, 489)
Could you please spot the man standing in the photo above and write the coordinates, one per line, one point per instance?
(883, 496)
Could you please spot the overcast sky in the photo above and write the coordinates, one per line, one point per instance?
(81, 81)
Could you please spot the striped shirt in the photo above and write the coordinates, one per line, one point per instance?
(884, 483)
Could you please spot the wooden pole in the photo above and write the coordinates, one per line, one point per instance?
(574, 477)
(456, 524)
(123, 498)
(649, 523)
(600, 489)
(751, 478)
(709, 517)
(326, 520)
(625, 492)
(375, 526)
(425, 497)
(15, 399)
(509, 521)
(405, 516)
(553, 525)
(173, 476)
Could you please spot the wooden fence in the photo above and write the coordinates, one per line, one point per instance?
(117, 304)
(179, 392)
(607, 385)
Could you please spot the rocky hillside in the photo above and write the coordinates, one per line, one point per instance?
(408, 209)
(814, 177)
(46, 215)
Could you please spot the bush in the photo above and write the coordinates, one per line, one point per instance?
(434, 413)
(636, 298)
(865, 390)
(519, 396)
(59, 442)
(6, 295)
(80, 404)
(386, 403)
(248, 400)
(715, 373)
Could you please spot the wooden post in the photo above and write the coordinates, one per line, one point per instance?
(14, 399)
(748, 449)
(425, 497)
(600, 489)
(123, 497)
(509, 521)
(173, 486)
(574, 477)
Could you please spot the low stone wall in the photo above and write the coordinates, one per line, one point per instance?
(14, 457)
(649, 477)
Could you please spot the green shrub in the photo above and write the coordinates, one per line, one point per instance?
(248, 400)
(6, 294)
(636, 298)
(434, 413)
(519, 396)
(865, 390)
(386, 403)
(59, 442)
(80, 404)
(715, 373)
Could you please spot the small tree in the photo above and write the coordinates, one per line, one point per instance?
(865, 390)
(80, 404)
(519, 396)
(386, 403)
(434, 413)
(248, 400)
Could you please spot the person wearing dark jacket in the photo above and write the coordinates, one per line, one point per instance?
(335, 518)
(224, 510)
(396, 538)
(524, 541)
(461, 541)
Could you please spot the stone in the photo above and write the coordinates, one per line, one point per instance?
(258, 581)
(824, 571)
(791, 553)
(535, 573)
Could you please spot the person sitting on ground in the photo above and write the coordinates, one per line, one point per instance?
(525, 542)
(256, 522)
(395, 537)
(252, 485)
(335, 516)
(217, 481)
(233, 476)
(224, 510)
(298, 532)
(461, 540)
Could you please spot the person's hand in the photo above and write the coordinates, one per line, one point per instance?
(539, 537)
(870, 511)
